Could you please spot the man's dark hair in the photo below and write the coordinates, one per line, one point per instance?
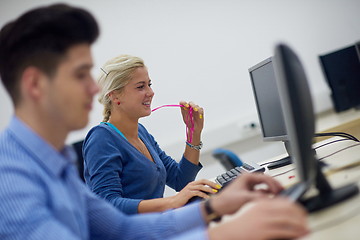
(41, 38)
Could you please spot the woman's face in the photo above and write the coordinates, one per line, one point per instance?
(135, 99)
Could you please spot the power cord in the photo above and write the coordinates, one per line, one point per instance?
(338, 140)
(329, 155)
(339, 134)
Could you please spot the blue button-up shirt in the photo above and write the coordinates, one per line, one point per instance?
(42, 197)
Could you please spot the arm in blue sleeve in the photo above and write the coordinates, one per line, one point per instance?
(103, 161)
(179, 174)
(197, 233)
(107, 223)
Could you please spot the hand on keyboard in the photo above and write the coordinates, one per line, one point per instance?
(225, 178)
(199, 189)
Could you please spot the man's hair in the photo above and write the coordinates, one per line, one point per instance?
(41, 38)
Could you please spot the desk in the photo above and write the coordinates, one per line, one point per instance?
(340, 221)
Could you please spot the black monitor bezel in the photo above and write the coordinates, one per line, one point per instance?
(298, 110)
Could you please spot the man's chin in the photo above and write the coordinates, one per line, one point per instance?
(80, 125)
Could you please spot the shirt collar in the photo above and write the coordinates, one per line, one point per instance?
(45, 154)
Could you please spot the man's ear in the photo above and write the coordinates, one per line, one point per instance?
(32, 83)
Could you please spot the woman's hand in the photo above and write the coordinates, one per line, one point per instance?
(201, 188)
(194, 124)
(197, 116)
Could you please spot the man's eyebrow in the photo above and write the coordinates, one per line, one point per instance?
(84, 67)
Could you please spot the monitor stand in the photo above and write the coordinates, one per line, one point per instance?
(283, 161)
(327, 196)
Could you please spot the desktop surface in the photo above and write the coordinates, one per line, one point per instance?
(339, 221)
(341, 161)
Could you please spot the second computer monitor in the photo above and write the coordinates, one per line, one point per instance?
(267, 101)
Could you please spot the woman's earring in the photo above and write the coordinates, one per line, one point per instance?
(118, 103)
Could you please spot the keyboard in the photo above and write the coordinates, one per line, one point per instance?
(228, 176)
(231, 174)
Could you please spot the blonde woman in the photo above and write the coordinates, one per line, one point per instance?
(122, 161)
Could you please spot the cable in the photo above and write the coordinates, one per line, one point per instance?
(345, 138)
(339, 134)
(329, 155)
(338, 140)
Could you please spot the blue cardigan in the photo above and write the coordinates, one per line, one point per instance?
(118, 172)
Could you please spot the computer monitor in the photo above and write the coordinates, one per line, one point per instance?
(267, 101)
(341, 69)
(266, 95)
(298, 113)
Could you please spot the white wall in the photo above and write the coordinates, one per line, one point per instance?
(201, 50)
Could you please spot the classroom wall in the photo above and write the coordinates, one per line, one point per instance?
(201, 50)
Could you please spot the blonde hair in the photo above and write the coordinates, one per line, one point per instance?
(115, 75)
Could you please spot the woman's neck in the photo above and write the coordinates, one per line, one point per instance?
(127, 126)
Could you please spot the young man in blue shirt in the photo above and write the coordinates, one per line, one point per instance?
(45, 64)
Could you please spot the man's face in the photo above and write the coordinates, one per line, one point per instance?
(70, 92)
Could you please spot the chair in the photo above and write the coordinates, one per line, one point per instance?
(80, 160)
(227, 158)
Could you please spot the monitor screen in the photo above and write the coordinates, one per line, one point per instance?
(342, 72)
(299, 120)
(267, 101)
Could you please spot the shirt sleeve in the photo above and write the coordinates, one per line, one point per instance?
(197, 233)
(180, 224)
(23, 209)
(104, 165)
(180, 174)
